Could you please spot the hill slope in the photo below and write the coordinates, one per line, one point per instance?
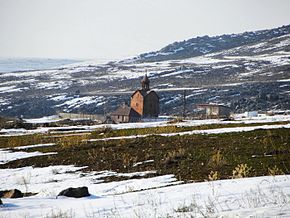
(205, 45)
(253, 76)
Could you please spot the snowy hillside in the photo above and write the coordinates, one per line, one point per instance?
(205, 45)
(250, 75)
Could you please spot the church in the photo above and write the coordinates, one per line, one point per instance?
(144, 104)
(145, 101)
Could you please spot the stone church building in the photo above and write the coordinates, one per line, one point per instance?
(144, 104)
(145, 101)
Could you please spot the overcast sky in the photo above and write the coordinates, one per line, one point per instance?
(111, 29)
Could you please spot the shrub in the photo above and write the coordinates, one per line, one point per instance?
(241, 171)
(217, 160)
(214, 175)
(128, 159)
(173, 156)
(275, 171)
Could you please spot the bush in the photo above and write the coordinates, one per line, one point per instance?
(173, 156)
(242, 171)
(217, 160)
(275, 171)
(214, 175)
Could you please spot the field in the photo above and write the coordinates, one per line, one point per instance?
(155, 169)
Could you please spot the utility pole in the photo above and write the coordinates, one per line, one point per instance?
(184, 104)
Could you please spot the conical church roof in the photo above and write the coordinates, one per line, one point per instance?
(145, 79)
(145, 83)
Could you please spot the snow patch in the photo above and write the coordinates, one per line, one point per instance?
(34, 146)
(7, 156)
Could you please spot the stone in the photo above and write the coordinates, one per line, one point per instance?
(75, 192)
(13, 193)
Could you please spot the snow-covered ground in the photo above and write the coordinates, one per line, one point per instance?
(8, 155)
(34, 146)
(207, 131)
(157, 196)
(48, 119)
(160, 196)
(240, 118)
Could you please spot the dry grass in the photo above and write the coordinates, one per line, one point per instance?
(173, 157)
(217, 160)
(213, 175)
(72, 141)
(273, 171)
(242, 171)
(189, 157)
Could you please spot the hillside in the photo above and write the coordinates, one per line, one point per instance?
(248, 71)
(205, 45)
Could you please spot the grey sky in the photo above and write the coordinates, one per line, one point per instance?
(110, 29)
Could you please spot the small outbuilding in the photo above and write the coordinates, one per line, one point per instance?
(251, 114)
(125, 114)
(215, 110)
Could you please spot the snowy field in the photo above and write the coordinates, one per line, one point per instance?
(157, 196)
(239, 119)
(153, 197)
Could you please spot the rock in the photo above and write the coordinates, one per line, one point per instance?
(1, 202)
(75, 192)
(13, 193)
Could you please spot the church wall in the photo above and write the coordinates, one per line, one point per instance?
(120, 118)
(137, 103)
(151, 105)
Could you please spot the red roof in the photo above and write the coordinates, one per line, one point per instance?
(125, 110)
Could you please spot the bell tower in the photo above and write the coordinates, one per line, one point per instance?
(145, 83)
